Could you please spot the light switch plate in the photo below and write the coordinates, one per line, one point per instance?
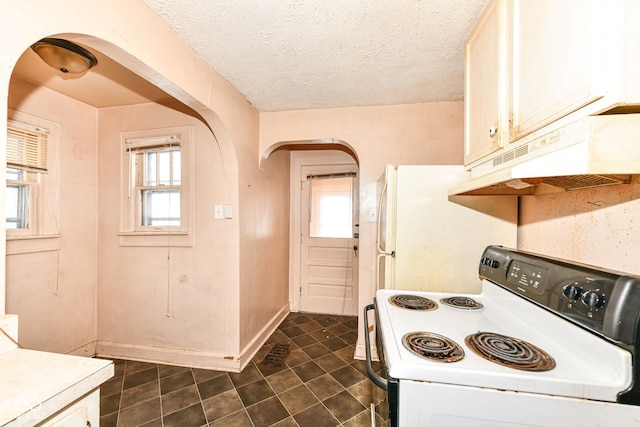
(373, 215)
(217, 212)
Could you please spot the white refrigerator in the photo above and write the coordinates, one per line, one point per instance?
(430, 241)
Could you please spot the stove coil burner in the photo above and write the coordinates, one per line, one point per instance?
(432, 346)
(413, 302)
(464, 303)
(511, 352)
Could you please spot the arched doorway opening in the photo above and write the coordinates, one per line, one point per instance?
(324, 226)
(84, 297)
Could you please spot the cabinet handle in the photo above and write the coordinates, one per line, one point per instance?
(493, 131)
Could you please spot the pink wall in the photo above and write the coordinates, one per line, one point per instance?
(264, 248)
(255, 235)
(157, 301)
(255, 247)
(400, 134)
(417, 133)
(598, 226)
(258, 248)
(65, 322)
(185, 310)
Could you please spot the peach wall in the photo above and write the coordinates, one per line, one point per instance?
(54, 291)
(158, 302)
(401, 134)
(152, 50)
(130, 33)
(416, 133)
(264, 250)
(598, 226)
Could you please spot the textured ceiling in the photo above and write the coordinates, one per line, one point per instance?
(300, 54)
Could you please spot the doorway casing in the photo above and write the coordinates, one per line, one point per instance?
(301, 161)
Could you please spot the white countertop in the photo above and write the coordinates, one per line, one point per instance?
(35, 384)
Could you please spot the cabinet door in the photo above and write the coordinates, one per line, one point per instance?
(484, 84)
(558, 60)
(83, 413)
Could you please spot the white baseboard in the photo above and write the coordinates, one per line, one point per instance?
(87, 350)
(258, 341)
(191, 358)
(169, 356)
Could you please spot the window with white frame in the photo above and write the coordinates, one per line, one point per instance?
(156, 172)
(158, 191)
(17, 199)
(27, 153)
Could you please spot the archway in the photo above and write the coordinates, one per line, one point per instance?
(324, 226)
(81, 282)
(311, 144)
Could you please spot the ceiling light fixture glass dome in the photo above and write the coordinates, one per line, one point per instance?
(64, 56)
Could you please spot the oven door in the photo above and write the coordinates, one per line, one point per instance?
(388, 384)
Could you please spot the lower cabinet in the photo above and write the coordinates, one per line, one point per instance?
(82, 413)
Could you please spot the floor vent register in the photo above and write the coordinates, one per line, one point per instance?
(278, 354)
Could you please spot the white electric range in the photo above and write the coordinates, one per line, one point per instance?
(546, 343)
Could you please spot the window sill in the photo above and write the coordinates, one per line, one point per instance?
(156, 238)
(31, 244)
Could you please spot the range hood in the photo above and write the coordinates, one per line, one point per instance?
(592, 151)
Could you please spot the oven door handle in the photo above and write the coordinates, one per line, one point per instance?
(377, 379)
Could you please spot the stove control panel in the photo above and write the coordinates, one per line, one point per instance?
(588, 291)
(586, 299)
(572, 291)
(593, 299)
(603, 301)
(528, 277)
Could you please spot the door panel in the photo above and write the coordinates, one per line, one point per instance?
(328, 277)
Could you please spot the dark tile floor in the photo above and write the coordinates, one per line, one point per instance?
(319, 384)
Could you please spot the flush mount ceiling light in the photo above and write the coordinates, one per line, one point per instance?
(64, 56)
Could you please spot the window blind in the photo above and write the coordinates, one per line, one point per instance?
(311, 176)
(154, 143)
(26, 146)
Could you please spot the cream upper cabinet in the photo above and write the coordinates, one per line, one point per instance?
(485, 88)
(535, 65)
(558, 60)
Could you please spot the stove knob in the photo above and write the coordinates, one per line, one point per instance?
(592, 299)
(571, 291)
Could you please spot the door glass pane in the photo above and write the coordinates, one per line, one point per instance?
(331, 207)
